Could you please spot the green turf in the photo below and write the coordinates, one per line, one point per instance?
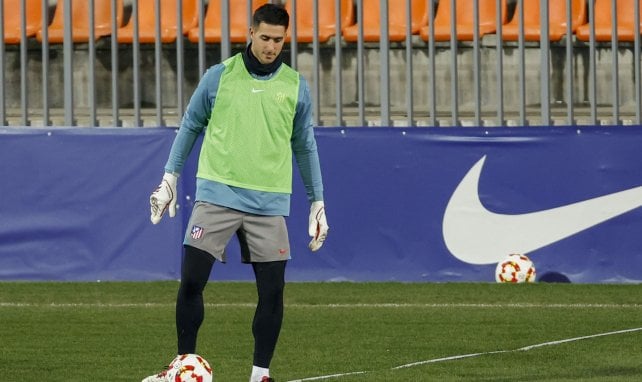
(125, 331)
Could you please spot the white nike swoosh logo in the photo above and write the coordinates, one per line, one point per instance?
(257, 90)
(475, 235)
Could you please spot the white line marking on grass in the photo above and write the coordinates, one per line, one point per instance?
(329, 376)
(525, 348)
(312, 306)
(462, 356)
(465, 305)
(451, 358)
(111, 305)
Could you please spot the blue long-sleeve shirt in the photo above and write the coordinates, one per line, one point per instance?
(303, 144)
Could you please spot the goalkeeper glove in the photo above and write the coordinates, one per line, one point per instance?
(163, 198)
(318, 225)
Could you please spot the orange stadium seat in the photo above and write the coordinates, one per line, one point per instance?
(80, 20)
(168, 21)
(239, 27)
(327, 19)
(12, 28)
(625, 22)
(396, 21)
(557, 20)
(464, 19)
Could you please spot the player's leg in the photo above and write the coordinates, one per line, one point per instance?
(264, 243)
(266, 326)
(195, 272)
(209, 230)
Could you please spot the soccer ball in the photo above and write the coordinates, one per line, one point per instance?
(515, 269)
(189, 368)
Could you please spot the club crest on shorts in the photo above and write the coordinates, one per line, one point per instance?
(197, 232)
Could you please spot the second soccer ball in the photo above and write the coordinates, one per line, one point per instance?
(515, 268)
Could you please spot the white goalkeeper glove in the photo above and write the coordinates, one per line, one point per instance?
(318, 225)
(163, 198)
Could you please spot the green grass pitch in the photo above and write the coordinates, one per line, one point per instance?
(122, 331)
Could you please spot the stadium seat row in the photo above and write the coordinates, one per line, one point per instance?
(326, 24)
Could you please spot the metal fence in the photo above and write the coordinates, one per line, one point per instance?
(421, 79)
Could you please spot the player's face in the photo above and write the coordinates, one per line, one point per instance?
(267, 42)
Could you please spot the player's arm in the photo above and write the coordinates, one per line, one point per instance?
(194, 121)
(305, 151)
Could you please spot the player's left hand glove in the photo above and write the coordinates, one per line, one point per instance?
(163, 198)
(318, 225)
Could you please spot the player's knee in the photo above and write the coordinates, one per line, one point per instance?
(271, 292)
(195, 271)
(270, 280)
(191, 287)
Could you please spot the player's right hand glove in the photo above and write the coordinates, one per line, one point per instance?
(163, 198)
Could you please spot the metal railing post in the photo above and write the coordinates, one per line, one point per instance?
(45, 62)
(316, 54)
(545, 78)
(454, 73)
(384, 73)
(615, 81)
(636, 64)
(180, 66)
(3, 111)
(360, 65)
(338, 64)
(157, 60)
(569, 63)
(500, 63)
(476, 65)
(410, 104)
(522, 66)
(226, 50)
(592, 64)
(92, 65)
(431, 52)
(115, 99)
(24, 89)
(68, 51)
(136, 64)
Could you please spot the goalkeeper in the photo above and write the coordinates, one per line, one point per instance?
(254, 112)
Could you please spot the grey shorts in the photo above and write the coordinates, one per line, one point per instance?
(261, 238)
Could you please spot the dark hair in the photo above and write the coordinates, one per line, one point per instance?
(271, 14)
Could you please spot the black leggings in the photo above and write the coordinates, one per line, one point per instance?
(266, 326)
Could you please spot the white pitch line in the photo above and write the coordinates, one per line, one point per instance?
(451, 358)
(111, 305)
(313, 306)
(463, 356)
(525, 348)
(465, 305)
(329, 376)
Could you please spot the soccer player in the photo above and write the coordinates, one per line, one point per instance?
(255, 112)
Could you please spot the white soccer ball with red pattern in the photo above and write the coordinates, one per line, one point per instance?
(515, 268)
(189, 368)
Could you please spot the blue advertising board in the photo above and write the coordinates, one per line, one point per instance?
(415, 204)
